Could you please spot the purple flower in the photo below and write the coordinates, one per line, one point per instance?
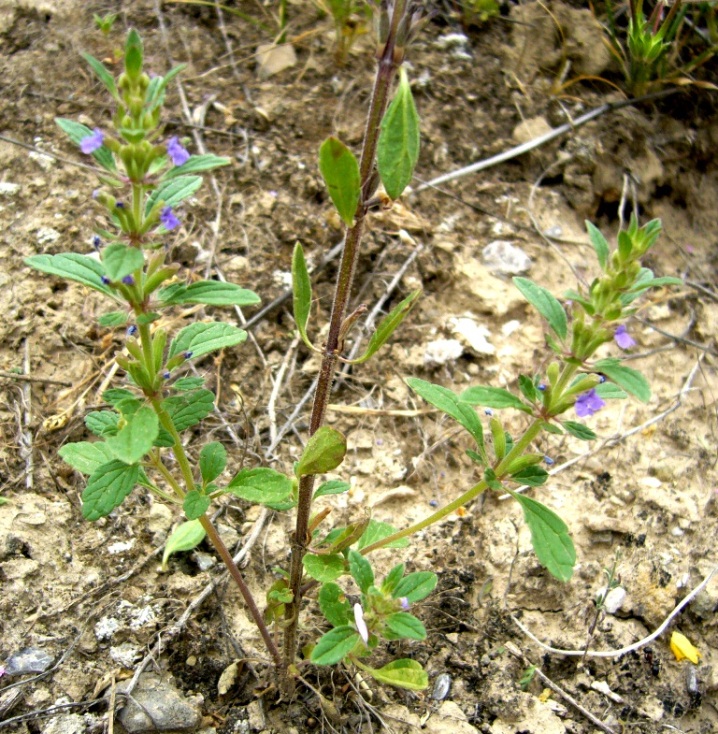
(188, 355)
(548, 461)
(105, 280)
(128, 280)
(96, 242)
(542, 386)
(404, 601)
(362, 629)
(131, 330)
(588, 403)
(92, 142)
(623, 338)
(176, 152)
(168, 219)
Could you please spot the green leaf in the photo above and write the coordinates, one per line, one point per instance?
(340, 171)
(107, 487)
(174, 191)
(398, 145)
(451, 404)
(393, 578)
(333, 486)
(405, 626)
(533, 476)
(112, 319)
(102, 74)
(212, 460)
(361, 571)
(493, 397)
(121, 260)
(262, 485)
(579, 430)
(549, 536)
(633, 382)
(388, 325)
(377, 530)
(324, 568)
(71, 266)
(185, 384)
(189, 408)
(335, 645)
(302, 293)
(185, 537)
(86, 457)
(402, 673)
(201, 338)
(324, 451)
(210, 293)
(195, 164)
(416, 586)
(545, 303)
(655, 283)
(76, 132)
(116, 395)
(527, 387)
(135, 438)
(158, 85)
(195, 504)
(610, 391)
(102, 423)
(599, 244)
(333, 603)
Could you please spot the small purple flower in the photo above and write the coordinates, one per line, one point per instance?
(548, 461)
(602, 379)
(542, 387)
(131, 330)
(166, 375)
(488, 411)
(433, 503)
(105, 280)
(96, 241)
(362, 629)
(404, 601)
(188, 355)
(92, 142)
(623, 338)
(176, 152)
(168, 219)
(120, 204)
(588, 403)
(128, 280)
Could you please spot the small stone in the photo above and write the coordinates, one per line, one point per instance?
(614, 599)
(67, 724)
(501, 256)
(47, 235)
(442, 686)
(156, 705)
(257, 720)
(472, 334)
(28, 660)
(528, 130)
(441, 351)
(8, 189)
(272, 59)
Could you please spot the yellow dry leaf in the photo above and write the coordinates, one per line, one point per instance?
(682, 647)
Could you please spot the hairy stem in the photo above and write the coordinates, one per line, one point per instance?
(388, 63)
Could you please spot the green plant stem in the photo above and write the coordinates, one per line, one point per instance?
(389, 61)
(518, 449)
(206, 523)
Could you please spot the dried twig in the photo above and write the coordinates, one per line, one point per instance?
(516, 652)
(29, 378)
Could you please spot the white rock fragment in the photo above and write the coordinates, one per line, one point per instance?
(501, 256)
(602, 687)
(614, 599)
(441, 351)
(456, 43)
(120, 547)
(125, 654)
(47, 235)
(273, 59)
(471, 334)
(8, 189)
(106, 627)
(45, 162)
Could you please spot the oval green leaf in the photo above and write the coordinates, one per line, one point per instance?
(185, 537)
(324, 451)
(545, 303)
(335, 645)
(261, 485)
(340, 171)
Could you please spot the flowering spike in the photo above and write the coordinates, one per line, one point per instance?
(588, 403)
(168, 219)
(92, 142)
(177, 153)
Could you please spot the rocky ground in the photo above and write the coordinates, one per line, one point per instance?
(82, 604)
